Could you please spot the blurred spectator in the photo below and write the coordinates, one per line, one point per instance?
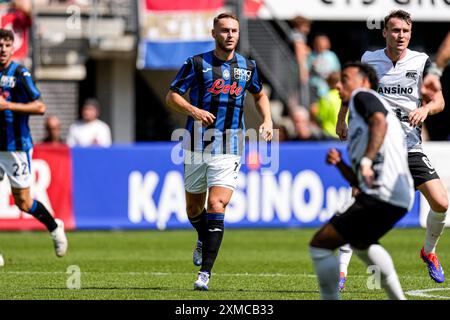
(305, 129)
(53, 131)
(16, 16)
(321, 63)
(89, 131)
(302, 27)
(327, 109)
(280, 132)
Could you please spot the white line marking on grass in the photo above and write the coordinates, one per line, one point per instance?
(167, 273)
(422, 293)
(144, 273)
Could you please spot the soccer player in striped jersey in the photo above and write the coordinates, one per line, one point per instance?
(401, 72)
(218, 81)
(19, 98)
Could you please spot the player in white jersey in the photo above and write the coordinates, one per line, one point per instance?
(379, 169)
(400, 72)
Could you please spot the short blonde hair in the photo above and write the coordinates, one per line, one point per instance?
(225, 15)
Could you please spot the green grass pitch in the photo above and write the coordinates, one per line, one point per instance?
(252, 264)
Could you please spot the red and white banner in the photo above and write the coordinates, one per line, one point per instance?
(52, 172)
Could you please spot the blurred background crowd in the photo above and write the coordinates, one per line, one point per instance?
(104, 66)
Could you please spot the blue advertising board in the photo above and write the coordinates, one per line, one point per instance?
(142, 187)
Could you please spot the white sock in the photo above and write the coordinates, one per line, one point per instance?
(326, 268)
(345, 254)
(435, 227)
(378, 256)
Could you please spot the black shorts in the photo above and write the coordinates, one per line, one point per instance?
(421, 168)
(366, 220)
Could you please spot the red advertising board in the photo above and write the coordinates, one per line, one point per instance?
(52, 172)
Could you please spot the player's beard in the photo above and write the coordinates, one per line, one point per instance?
(224, 48)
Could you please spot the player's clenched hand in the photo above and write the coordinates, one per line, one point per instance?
(367, 174)
(266, 130)
(206, 118)
(341, 129)
(333, 157)
(431, 85)
(418, 116)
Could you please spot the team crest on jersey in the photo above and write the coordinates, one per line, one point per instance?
(226, 74)
(242, 74)
(8, 81)
(411, 74)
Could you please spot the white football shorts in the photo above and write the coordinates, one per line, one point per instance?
(16, 165)
(204, 171)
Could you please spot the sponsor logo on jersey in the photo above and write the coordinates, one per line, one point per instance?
(219, 87)
(395, 90)
(411, 74)
(8, 81)
(242, 74)
(226, 74)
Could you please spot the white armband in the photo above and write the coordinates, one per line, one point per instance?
(435, 70)
(365, 162)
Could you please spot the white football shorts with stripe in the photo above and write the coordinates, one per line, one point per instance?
(202, 172)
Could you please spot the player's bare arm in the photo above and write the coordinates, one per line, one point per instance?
(180, 104)
(35, 107)
(443, 54)
(377, 132)
(431, 107)
(431, 83)
(341, 125)
(334, 158)
(263, 107)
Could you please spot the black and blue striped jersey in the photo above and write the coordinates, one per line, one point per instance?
(219, 87)
(16, 85)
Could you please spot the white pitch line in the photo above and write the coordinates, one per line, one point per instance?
(421, 293)
(190, 273)
(165, 273)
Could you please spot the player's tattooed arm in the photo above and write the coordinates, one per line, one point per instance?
(377, 133)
